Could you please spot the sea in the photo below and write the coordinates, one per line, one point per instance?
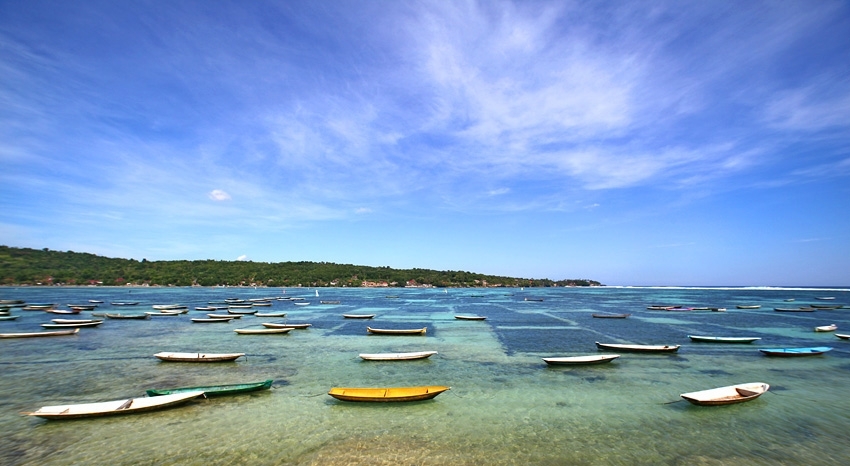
(506, 406)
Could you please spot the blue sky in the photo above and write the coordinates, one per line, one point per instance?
(634, 143)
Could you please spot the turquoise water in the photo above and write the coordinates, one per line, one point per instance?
(505, 406)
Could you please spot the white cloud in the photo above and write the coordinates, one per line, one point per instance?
(242, 258)
(219, 195)
(363, 210)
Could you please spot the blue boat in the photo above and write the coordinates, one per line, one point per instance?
(795, 351)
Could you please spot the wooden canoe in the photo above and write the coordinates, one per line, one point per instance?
(610, 316)
(198, 357)
(201, 320)
(74, 321)
(216, 390)
(163, 313)
(825, 306)
(727, 395)
(127, 316)
(387, 394)
(358, 316)
(639, 348)
(397, 356)
(409, 331)
(748, 306)
(55, 333)
(708, 339)
(224, 316)
(826, 328)
(270, 314)
(261, 331)
(790, 352)
(74, 325)
(470, 317)
(63, 311)
(298, 326)
(581, 360)
(230, 310)
(843, 337)
(108, 408)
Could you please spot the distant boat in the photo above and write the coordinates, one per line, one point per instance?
(261, 331)
(8, 317)
(301, 303)
(826, 328)
(39, 334)
(224, 316)
(358, 316)
(842, 336)
(125, 303)
(127, 316)
(270, 314)
(825, 298)
(790, 352)
(74, 321)
(748, 306)
(62, 311)
(471, 317)
(794, 309)
(825, 306)
(387, 394)
(639, 348)
(533, 299)
(130, 406)
(198, 357)
(169, 307)
(581, 360)
(789, 300)
(74, 325)
(82, 307)
(162, 314)
(274, 325)
(727, 395)
(201, 320)
(96, 301)
(708, 339)
(610, 316)
(409, 331)
(329, 302)
(397, 356)
(241, 311)
(215, 390)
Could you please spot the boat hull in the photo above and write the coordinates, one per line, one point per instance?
(56, 333)
(216, 390)
(638, 348)
(727, 395)
(708, 339)
(198, 357)
(398, 356)
(383, 331)
(794, 352)
(581, 360)
(110, 408)
(384, 395)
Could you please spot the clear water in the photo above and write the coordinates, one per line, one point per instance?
(505, 407)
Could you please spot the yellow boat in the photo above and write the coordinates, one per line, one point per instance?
(388, 394)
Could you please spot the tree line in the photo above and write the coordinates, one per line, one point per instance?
(24, 266)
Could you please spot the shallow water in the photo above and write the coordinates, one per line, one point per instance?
(505, 407)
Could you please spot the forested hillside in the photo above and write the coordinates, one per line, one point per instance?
(23, 266)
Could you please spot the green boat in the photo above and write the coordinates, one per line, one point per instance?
(216, 390)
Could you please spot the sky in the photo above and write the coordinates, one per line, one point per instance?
(669, 143)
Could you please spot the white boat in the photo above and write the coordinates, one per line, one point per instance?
(55, 333)
(581, 360)
(74, 321)
(708, 339)
(224, 316)
(108, 408)
(397, 356)
(358, 316)
(201, 320)
(409, 331)
(270, 314)
(198, 357)
(273, 325)
(842, 336)
(73, 325)
(459, 317)
(727, 395)
(261, 331)
(639, 348)
(162, 313)
(826, 328)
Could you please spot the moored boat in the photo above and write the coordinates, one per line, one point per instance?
(826, 328)
(107, 408)
(127, 316)
(709, 339)
(610, 316)
(241, 311)
(842, 336)
(215, 390)
(211, 320)
(73, 325)
(748, 306)
(56, 333)
(162, 313)
(794, 309)
(261, 331)
(407, 331)
(198, 357)
(329, 302)
(125, 303)
(387, 394)
(74, 321)
(727, 395)
(270, 314)
(224, 316)
(581, 360)
(790, 352)
(825, 306)
(8, 317)
(639, 348)
(298, 326)
(397, 356)
(358, 316)
(460, 317)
